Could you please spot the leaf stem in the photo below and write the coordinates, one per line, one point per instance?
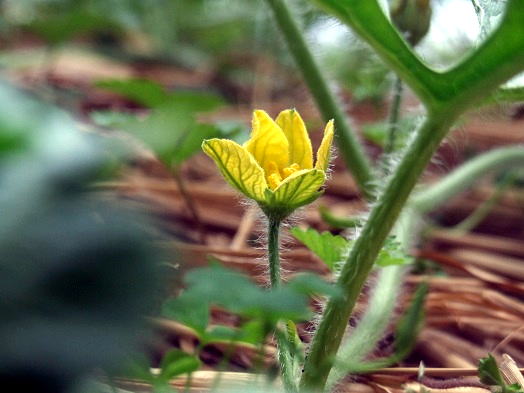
(348, 144)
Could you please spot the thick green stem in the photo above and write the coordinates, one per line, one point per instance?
(467, 174)
(350, 148)
(366, 248)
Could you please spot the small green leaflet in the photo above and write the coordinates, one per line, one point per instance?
(392, 254)
(330, 248)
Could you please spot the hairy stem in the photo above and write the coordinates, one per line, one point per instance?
(285, 358)
(350, 148)
(366, 248)
(273, 248)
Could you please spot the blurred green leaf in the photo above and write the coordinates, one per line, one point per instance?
(170, 129)
(142, 91)
(312, 284)
(263, 308)
(330, 248)
(191, 142)
(176, 362)
(153, 95)
(61, 27)
(189, 310)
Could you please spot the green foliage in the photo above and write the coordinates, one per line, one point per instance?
(75, 267)
(331, 249)
(463, 84)
(489, 374)
(171, 130)
(176, 362)
(59, 28)
(392, 253)
(261, 308)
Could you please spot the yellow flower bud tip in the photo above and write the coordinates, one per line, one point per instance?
(275, 166)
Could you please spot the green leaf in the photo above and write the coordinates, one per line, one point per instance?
(489, 373)
(254, 332)
(142, 91)
(189, 310)
(62, 27)
(177, 362)
(311, 284)
(195, 101)
(498, 58)
(330, 248)
(154, 95)
(191, 142)
(392, 254)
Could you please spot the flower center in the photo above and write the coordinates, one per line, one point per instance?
(276, 176)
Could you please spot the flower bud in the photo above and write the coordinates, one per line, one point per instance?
(412, 18)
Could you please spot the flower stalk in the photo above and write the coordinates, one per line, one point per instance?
(273, 248)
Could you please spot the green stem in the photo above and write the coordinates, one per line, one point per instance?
(394, 115)
(467, 174)
(366, 248)
(273, 247)
(350, 148)
(285, 358)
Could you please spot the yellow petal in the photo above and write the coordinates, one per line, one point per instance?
(300, 187)
(300, 151)
(238, 167)
(268, 144)
(324, 150)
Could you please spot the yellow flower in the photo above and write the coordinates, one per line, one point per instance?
(275, 166)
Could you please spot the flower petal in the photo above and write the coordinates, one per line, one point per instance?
(238, 167)
(324, 150)
(300, 151)
(268, 144)
(300, 188)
